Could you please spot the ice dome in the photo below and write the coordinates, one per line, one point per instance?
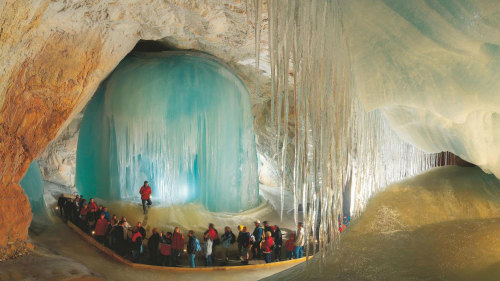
(182, 121)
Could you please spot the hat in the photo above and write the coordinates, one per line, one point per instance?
(257, 221)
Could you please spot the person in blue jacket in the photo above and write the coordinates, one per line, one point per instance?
(257, 238)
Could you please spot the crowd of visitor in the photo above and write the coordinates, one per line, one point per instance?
(167, 248)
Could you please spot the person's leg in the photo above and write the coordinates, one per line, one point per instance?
(268, 257)
(149, 202)
(246, 255)
(300, 252)
(143, 206)
(174, 258)
(213, 258)
(296, 251)
(259, 250)
(135, 255)
(191, 260)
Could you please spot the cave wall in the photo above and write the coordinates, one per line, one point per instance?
(54, 54)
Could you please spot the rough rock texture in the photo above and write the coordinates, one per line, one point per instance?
(58, 161)
(54, 54)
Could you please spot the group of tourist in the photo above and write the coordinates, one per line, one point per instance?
(166, 248)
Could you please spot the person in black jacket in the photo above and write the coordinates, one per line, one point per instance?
(120, 238)
(267, 227)
(191, 249)
(153, 243)
(278, 242)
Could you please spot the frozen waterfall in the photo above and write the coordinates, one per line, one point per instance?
(183, 122)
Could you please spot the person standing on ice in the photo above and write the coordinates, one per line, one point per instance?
(145, 192)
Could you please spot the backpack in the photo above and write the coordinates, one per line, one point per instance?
(197, 247)
(252, 239)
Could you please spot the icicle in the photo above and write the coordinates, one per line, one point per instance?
(339, 150)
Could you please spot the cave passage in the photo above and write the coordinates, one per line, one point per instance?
(180, 120)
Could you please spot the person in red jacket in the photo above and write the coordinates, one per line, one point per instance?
(83, 218)
(177, 246)
(267, 247)
(92, 206)
(100, 228)
(136, 244)
(145, 192)
(290, 246)
(213, 234)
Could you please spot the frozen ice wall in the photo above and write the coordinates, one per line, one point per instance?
(32, 184)
(433, 69)
(182, 121)
(338, 146)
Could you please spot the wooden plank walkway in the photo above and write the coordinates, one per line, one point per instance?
(124, 261)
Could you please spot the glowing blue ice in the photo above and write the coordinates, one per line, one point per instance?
(181, 121)
(32, 184)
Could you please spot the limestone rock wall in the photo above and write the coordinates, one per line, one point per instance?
(54, 54)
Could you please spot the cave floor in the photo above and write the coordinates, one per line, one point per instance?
(60, 254)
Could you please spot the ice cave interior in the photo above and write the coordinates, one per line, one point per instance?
(286, 111)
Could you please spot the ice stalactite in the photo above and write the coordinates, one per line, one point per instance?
(325, 138)
(183, 122)
(32, 184)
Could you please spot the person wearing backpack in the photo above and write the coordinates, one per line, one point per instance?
(166, 250)
(244, 242)
(257, 234)
(193, 246)
(228, 239)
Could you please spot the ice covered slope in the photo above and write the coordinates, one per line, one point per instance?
(441, 225)
(433, 68)
(182, 121)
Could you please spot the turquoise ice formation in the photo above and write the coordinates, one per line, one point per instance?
(183, 122)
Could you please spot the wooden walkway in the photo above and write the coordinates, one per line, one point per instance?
(124, 261)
